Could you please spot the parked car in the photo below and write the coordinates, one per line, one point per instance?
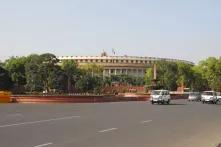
(209, 97)
(218, 97)
(194, 96)
(160, 96)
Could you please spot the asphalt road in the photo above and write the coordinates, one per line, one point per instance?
(123, 124)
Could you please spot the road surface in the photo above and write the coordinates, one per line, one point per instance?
(119, 124)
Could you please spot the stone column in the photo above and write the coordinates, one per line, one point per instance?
(143, 72)
(104, 73)
(109, 72)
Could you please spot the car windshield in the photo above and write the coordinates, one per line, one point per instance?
(156, 92)
(208, 93)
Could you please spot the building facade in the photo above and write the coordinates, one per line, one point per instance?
(118, 65)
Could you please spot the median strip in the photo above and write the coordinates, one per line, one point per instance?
(39, 121)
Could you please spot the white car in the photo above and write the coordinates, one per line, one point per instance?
(160, 96)
(209, 97)
(219, 97)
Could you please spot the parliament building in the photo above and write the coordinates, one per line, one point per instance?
(118, 65)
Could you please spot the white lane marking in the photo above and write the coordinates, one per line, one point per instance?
(46, 144)
(39, 121)
(107, 130)
(146, 121)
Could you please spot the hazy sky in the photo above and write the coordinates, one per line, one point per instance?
(186, 29)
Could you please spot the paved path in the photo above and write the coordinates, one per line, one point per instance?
(120, 124)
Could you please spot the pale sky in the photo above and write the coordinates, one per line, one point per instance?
(183, 29)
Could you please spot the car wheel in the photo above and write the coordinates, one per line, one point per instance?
(168, 102)
(152, 102)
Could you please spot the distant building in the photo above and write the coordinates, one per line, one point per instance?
(117, 65)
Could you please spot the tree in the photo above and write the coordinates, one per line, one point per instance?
(16, 69)
(33, 75)
(46, 69)
(44, 73)
(211, 71)
(88, 82)
(185, 74)
(91, 79)
(167, 75)
(2, 64)
(98, 84)
(139, 81)
(217, 80)
(6, 82)
(71, 72)
(107, 81)
(148, 76)
(198, 83)
(93, 69)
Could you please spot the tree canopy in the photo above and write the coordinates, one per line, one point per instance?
(6, 82)
(38, 73)
(211, 71)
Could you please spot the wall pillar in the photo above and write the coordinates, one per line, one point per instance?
(109, 72)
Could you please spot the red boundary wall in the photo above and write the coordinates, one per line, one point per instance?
(74, 99)
(179, 96)
(84, 99)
